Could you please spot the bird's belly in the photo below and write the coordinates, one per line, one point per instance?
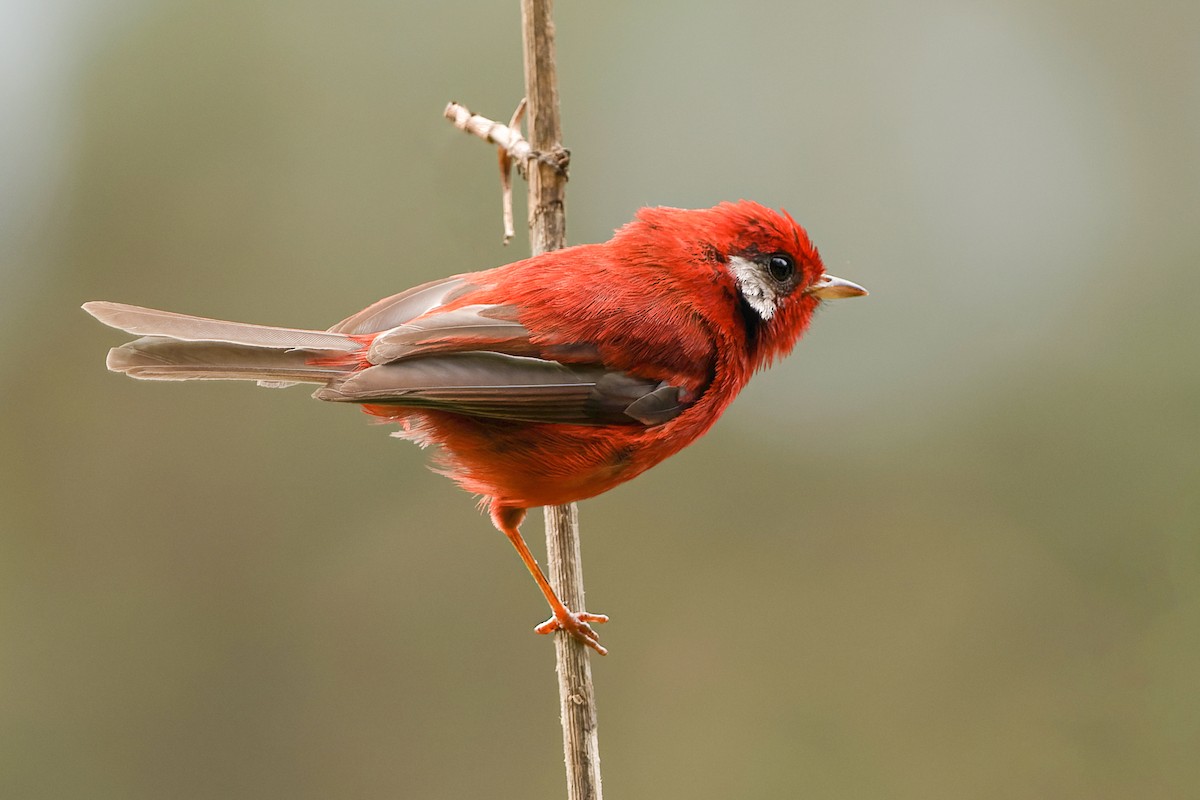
(528, 464)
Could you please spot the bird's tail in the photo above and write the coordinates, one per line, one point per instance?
(179, 347)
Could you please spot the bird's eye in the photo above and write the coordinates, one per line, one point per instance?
(782, 266)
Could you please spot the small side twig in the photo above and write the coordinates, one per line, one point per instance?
(512, 149)
(506, 164)
(507, 137)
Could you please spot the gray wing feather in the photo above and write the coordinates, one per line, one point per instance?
(496, 385)
(473, 325)
(403, 307)
(656, 407)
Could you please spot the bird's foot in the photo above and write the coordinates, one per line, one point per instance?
(576, 624)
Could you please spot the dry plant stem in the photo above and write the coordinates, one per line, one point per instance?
(506, 163)
(544, 160)
(547, 231)
(576, 694)
(547, 184)
(506, 137)
(512, 146)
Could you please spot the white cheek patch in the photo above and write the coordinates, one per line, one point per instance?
(759, 290)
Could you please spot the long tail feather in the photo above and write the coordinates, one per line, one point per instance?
(179, 347)
(152, 322)
(159, 358)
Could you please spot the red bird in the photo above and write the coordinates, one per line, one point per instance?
(548, 380)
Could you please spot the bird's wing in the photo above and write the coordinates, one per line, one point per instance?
(405, 307)
(502, 386)
(461, 345)
(426, 320)
(469, 327)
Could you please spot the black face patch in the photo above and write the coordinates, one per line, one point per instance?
(752, 321)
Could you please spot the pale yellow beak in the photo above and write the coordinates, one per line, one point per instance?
(833, 288)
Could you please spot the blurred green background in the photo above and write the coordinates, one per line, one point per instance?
(948, 549)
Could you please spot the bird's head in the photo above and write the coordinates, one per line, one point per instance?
(772, 266)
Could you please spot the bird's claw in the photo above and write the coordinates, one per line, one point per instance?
(576, 624)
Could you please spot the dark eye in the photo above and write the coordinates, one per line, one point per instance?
(782, 267)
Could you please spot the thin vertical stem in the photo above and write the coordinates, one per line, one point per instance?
(547, 231)
(576, 694)
(547, 184)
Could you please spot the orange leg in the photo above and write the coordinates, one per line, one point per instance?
(508, 520)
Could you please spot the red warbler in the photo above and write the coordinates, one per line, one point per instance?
(547, 380)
